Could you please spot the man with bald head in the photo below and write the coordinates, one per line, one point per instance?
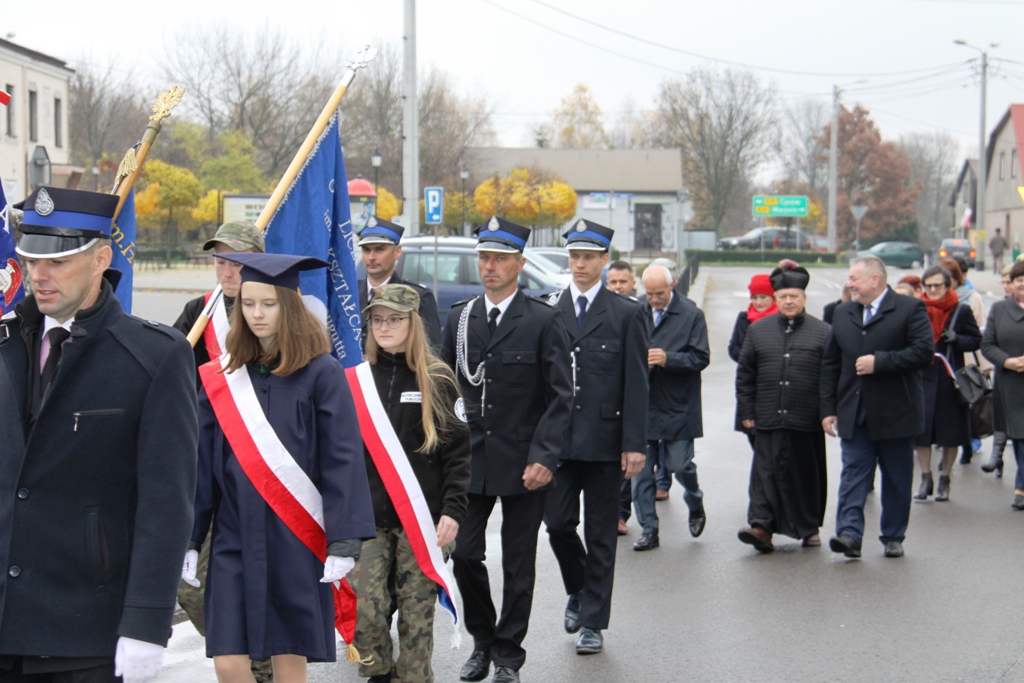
(679, 353)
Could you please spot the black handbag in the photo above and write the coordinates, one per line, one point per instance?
(981, 417)
(972, 384)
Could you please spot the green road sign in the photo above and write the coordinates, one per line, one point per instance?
(776, 205)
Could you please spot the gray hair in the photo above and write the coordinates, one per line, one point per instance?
(873, 265)
(659, 268)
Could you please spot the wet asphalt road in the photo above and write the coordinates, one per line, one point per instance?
(712, 609)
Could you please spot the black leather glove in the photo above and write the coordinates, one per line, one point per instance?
(949, 336)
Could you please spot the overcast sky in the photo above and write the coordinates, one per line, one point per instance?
(527, 54)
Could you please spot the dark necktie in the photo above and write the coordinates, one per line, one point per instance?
(658, 314)
(581, 301)
(57, 336)
(492, 320)
(868, 313)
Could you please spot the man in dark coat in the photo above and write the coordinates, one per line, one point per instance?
(679, 353)
(871, 390)
(607, 434)
(777, 377)
(620, 279)
(510, 355)
(379, 244)
(98, 426)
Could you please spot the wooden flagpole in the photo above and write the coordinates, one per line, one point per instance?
(357, 62)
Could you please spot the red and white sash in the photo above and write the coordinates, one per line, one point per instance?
(286, 488)
(216, 331)
(401, 484)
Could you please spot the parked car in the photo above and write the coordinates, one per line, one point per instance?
(951, 247)
(557, 255)
(819, 243)
(458, 277)
(898, 254)
(539, 260)
(754, 239)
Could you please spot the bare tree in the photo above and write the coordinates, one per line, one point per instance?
(725, 123)
(634, 127)
(933, 163)
(800, 148)
(108, 113)
(578, 122)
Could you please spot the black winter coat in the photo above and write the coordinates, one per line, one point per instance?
(1004, 338)
(900, 337)
(96, 493)
(443, 474)
(739, 334)
(675, 408)
(779, 371)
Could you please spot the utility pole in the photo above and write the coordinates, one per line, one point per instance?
(410, 126)
(979, 217)
(833, 171)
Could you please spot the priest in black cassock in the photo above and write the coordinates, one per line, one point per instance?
(777, 395)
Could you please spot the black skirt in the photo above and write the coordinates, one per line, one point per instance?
(946, 420)
(788, 482)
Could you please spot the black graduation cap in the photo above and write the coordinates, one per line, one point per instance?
(789, 275)
(58, 222)
(281, 270)
(498, 234)
(588, 235)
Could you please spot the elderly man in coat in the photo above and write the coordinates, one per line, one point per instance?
(679, 353)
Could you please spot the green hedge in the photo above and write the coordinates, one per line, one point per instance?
(770, 256)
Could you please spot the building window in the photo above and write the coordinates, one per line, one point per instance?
(9, 89)
(58, 137)
(33, 117)
(1002, 164)
(1014, 163)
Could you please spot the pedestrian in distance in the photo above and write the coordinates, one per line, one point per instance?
(762, 304)
(275, 412)
(777, 396)
(914, 282)
(830, 308)
(999, 438)
(679, 353)
(419, 395)
(946, 418)
(997, 245)
(607, 335)
(1003, 345)
(510, 355)
(871, 396)
(98, 433)
(620, 279)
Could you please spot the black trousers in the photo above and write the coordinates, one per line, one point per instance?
(521, 517)
(590, 570)
(91, 674)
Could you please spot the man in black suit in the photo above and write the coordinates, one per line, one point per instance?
(379, 244)
(607, 434)
(510, 355)
(679, 353)
(871, 394)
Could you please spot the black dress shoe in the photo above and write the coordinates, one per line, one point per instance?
(697, 521)
(590, 642)
(1018, 502)
(942, 492)
(504, 674)
(383, 678)
(893, 549)
(647, 542)
(845, 545)
(965, 455)
(476, 667)
(572, 614)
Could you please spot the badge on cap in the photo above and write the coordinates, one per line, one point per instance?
(581, 226)
(493, 225)
(371, 222)
(44, 203)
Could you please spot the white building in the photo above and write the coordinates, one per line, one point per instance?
(35, 147)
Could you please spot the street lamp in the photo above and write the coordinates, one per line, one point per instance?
(375, 160)
(858, 211)
(464, 174)
(979, 220)
(96, 177)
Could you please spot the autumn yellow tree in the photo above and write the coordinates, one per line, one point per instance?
(526, 197)
(388, 205)
(167, 200)
(578, 121)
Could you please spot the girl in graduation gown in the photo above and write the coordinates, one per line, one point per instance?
(267, 594)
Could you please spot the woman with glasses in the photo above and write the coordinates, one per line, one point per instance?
(947, 420)
(419, 394)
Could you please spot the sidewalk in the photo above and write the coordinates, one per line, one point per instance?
(176, 279)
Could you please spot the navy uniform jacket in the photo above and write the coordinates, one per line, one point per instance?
(263, 591)
(609, 413)
(675, 408)
(428, 310)
(900, 337)
(529, 391)
(96, 493)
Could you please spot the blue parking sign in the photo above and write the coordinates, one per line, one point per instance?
(433, 201)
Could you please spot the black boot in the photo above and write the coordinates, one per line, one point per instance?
(995, 464)
(965, 455)
(926, 487)
(942, 494)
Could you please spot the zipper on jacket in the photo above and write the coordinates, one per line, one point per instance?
(96, 413)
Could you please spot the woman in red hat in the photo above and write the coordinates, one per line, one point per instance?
(762, 305)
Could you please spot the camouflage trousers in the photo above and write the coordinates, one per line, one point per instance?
(416, 598)
(191, 600)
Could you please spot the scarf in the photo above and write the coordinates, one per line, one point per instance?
(939, 311)
(964, 292)
(753, 315)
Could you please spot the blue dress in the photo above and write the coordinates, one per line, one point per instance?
(263, 590)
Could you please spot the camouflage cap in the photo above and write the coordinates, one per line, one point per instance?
(401, 298)
(239, 235)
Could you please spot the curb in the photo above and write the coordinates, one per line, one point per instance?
(699, 289)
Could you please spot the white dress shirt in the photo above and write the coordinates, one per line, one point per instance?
(502, 306)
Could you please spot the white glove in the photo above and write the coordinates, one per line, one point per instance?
(188, 570)
(335, 568)
(137, 661)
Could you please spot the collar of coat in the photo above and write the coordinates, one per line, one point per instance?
(87, 321)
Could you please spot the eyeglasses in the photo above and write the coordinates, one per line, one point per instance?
(391, 323)
(941, 285)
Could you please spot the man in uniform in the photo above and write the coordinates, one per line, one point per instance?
(607, 432)
(230, 238)
(99, 432)
(510, 355)
(379, 243)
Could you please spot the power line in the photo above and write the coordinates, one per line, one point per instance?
(791, 72)
(922, 123)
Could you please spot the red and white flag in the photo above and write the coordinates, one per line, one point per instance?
(216, 331)
(5, 98)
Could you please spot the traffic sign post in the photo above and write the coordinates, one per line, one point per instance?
(433, 213)
(792, 206)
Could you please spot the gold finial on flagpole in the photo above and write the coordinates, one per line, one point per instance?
(166, 102)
